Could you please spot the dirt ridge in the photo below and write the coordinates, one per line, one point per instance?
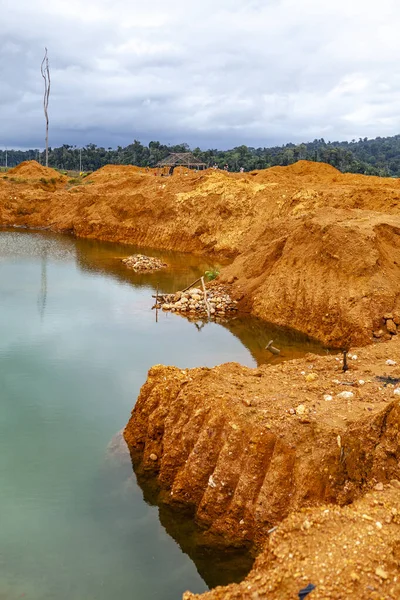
(312, 248)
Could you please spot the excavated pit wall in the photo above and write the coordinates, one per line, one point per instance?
(254, 455)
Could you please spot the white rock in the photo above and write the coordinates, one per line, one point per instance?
(346, 395)
(301, 409)
(396, 392)
(211, 482)
(391, 363)
(361, 382)
(354, 357)
(328, 397)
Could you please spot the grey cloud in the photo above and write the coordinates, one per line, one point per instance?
(213, 74)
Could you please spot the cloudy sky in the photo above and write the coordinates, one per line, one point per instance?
(213, 73)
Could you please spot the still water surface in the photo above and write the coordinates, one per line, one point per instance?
(77, 338)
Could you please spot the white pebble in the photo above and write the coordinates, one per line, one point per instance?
(354, 357)
(328, 397)
(361, 382)
(391, 363)
(346, 395)
(396, 392)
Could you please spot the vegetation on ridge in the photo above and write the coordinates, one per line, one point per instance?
(379, 156)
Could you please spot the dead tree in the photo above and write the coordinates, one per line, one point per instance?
(44, 69)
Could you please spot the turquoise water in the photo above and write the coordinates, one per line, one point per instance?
(77, 338)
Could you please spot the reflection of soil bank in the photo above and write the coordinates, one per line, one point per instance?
(216, 564)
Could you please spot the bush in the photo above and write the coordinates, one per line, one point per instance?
(213, 274)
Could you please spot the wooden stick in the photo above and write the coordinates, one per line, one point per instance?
(157, 304)
(192, 284)
(205, 297)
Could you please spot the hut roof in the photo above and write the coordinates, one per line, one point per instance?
(181, 159)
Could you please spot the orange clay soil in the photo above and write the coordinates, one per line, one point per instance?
(286, 446)
(312, 249)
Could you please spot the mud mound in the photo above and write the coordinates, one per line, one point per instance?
(31, 169)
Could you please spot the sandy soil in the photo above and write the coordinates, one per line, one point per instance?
(247, 450)
(301, 446)
(313, 249)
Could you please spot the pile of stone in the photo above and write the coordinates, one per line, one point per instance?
(193, 301)
(391, 322)
(140, 262)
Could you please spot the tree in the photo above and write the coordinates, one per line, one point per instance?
(45, 71)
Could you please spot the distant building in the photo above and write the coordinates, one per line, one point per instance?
(181, 159)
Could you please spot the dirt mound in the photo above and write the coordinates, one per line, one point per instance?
(31, 169)
(312, 171)
(351, 552)
(344, 266)
(115, 172)
(243, 449)
(314, 249)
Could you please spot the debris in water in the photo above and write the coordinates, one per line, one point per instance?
(140, 262)
(272, 348)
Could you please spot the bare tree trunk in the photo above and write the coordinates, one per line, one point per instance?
(44, 69)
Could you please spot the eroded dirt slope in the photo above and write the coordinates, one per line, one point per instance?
(351, 552)
(244, 449)
(314, 249)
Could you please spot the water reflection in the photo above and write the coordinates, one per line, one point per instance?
(215, 564)
(183, 269)
(78, 337)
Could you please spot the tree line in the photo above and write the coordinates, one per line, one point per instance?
(379, 156)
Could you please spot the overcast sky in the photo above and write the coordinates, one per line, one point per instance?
(213, 73)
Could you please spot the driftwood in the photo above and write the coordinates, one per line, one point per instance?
(272, 348)
(192, 284)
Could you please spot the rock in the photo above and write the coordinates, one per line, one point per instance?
(194, 291)
(345, 395)
(153, 457)
(311, 377)
(381, 573)
(388, 316)
(396, 318)
(301, 409)
(396, 392)
(354, 576)
(378, 334)
(391, 327)
(328, 397)
(139, 262)
(231, 279)
(378, 487)
(196, 297)
(395, 483)
(391, 363)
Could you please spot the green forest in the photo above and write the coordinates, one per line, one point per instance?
(379, 156)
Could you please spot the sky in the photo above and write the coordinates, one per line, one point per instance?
(212, 73)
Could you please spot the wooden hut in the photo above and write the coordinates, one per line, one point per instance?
(180, 159)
